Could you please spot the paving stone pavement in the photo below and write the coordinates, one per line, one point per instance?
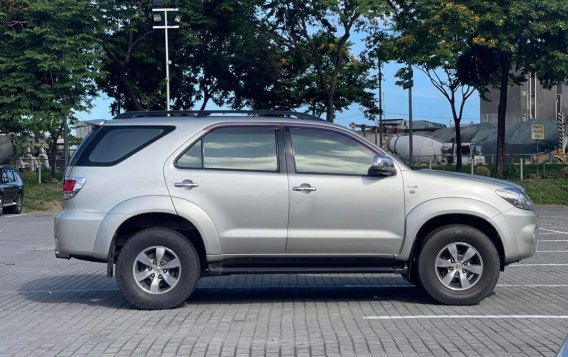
(56, 307)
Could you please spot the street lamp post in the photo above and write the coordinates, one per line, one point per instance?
(166, 27)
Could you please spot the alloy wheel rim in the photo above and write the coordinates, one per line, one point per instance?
(156, 270)
(459, 266)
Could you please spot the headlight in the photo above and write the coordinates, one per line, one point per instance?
(515, 197)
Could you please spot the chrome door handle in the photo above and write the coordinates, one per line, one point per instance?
(304, 188)
(186, 184)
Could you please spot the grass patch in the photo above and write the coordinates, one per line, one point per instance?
(44, 197)
(546, 192)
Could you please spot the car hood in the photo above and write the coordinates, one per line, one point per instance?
(475, 178)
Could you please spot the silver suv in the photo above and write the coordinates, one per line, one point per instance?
(171, 197)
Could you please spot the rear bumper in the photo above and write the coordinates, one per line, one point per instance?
(75, 233)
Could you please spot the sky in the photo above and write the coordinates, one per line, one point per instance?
(428, 102)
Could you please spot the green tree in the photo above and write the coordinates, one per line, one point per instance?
(133, 66)
(223, 57)
(298, 25)
(297, 85)
(506, 40)
(423, 36)
(48, 62)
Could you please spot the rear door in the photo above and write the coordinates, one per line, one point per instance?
(237, 175)
(335, 206)
(10, 189)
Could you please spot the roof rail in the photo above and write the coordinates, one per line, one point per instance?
(207, 113)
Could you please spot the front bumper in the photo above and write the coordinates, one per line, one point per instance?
(518, 233)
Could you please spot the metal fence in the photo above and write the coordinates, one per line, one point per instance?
(517, 166)
(39, 169)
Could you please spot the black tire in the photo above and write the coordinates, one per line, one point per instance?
(17, 209)
(189, 269)
(1, 205)
(430, 275)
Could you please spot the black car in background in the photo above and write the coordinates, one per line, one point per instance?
(11, 190)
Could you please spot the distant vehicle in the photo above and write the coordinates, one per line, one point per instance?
(427, 149)
(11, 190)
(170, 197)
(556, 156)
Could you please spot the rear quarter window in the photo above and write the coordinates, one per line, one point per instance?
(113, 144)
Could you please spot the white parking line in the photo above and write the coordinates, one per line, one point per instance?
(538, 264)
(552, 240)
(15, 216)
(552, 251)
(552, 230)
(532, 285)
(56, 291)
(438, 317)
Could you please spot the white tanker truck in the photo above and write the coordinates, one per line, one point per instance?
(427, 149)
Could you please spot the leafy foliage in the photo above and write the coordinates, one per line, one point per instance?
(300, 25)
(48, 63)
(506, 40)
(422, 36)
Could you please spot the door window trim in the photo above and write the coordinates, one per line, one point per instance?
(281, 166)
(291, 158)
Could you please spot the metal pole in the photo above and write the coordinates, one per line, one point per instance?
(381, 105)
(410, 148)
(472, 154)
(167, 62)
(65, 145)
(522, 163)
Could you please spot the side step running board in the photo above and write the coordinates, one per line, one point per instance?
(224, 269)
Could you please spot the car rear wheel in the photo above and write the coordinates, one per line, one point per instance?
(1, 205)
(158, 268)
(458, 265)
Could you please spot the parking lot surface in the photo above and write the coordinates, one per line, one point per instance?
(56, 307)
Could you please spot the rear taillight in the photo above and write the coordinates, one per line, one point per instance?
(72, 186)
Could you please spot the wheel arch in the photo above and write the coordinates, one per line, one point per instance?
(171, 221)
(444, 211)
(154, 211)
(465, 219)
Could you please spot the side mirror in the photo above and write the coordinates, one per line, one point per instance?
(382, 166)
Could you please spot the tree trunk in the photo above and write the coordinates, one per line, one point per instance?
(329, 107)
(457, 123)
(501, 112)
(130, 92)
(53, 152)
(205, 100)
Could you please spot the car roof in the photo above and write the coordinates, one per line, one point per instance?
(207, 118)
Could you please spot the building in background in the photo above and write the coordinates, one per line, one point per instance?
(526, 101)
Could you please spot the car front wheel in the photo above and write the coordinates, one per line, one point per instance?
(458, 265)
(158, 268)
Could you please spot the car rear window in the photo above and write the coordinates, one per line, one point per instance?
(113, 144)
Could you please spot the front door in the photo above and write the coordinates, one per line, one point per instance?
(235, 175)
(335, 206)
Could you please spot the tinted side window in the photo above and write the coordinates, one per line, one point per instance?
(192, 158)
(11, 177)
(16, 177)
(114, 144)
(328, 152)
(243, 148)
(4, 177)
